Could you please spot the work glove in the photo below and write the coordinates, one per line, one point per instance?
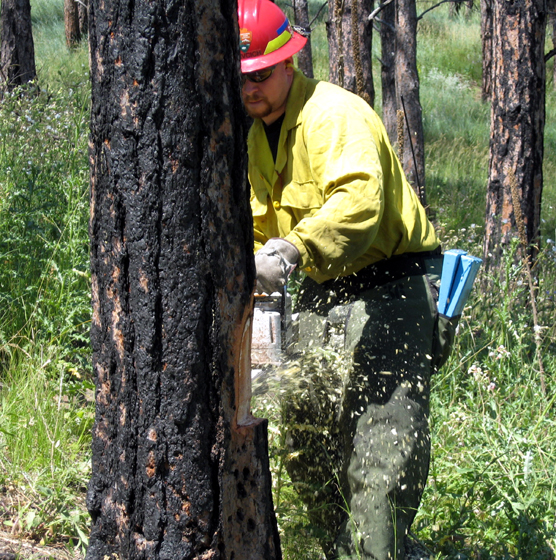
(274, 263)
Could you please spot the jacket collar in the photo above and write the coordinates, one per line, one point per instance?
(293, 117)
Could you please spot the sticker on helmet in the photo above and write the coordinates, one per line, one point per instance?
(245, 38)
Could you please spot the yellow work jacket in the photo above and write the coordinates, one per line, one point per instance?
(337, 190)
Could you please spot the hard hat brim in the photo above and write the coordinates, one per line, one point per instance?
(295, 44)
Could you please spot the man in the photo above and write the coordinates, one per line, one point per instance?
(330, 197)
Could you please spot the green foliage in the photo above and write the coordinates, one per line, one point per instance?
(46, 383)
(450, 43)
(491, 488)
(44, 287)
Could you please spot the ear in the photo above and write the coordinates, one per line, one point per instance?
(289, 65)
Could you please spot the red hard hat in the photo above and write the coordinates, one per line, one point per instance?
(265, 35)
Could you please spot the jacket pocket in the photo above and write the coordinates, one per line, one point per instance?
(259, 207)
(303, 195)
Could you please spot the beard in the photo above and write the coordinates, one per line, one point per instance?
(257, 110)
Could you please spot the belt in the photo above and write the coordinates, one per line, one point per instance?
(382, 272)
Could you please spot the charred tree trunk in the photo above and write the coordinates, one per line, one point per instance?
(407, 89)
(486, 38)
(388, 69)
(517, 124)
(551, 7)
(350, 43)
(17, 50)
(83, 16)
(179, 465)
(305, 55)
(71, 23)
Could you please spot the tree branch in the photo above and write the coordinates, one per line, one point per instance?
(549, 55)
(439, 4)
(379, 9)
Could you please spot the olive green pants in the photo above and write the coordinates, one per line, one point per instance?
(358, 434)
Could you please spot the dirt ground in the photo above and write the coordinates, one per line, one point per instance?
(16, 549)
(13, 548)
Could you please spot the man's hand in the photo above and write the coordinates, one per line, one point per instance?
(275, 262)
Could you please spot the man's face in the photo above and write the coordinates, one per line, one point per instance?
(267, 100)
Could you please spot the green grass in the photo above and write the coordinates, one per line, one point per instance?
(46, 412)
(491, 491)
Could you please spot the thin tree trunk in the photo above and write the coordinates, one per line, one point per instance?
(305, 55)
(407, 89)
(551, 7)
(17, 49)
(388, 69)
(517, 124)
(180, 467)
(82, 10)
(486, 38)
(71, 23)
(350, 46)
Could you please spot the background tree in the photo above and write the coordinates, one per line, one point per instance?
(407, 94)
(17, 50)
(71, 23)
(517, 124)
(387, 21)
(179, 465)
(305, 55)
(82, 10)
(350, 39)
(486, 38)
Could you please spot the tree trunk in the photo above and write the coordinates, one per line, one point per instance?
(551, 6)
(486, 36)
(388, 70)
(82, 11)
(17, 50)
(305, 55)
(517, 124)
(71, 23)
(180, 467)
(407, 93)
(350, 46)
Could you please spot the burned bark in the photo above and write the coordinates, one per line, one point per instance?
(17, 49)
(350, 40)
(407, 93)
(486, 43)
(388, 69)
(305, 55)
(179, 465)
(517, 124)
(83, 16)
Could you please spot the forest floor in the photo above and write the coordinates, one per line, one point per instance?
(14, 548)
(16, 544)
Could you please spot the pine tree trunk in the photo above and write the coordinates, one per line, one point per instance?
(71, 23)
(552, 22)
(180, 467)
(407, 93)
(486, 38)
(17, 50)
(388, 70)
(82, 11)
(305, 55)
(517, 123)
(350, 62)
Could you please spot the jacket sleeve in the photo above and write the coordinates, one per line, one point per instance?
(344, 164)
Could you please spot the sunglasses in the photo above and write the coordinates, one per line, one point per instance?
(259, 76)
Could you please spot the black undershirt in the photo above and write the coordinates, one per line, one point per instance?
(273, 134)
